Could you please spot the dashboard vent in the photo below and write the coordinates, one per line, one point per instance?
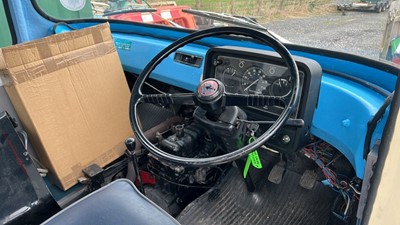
(187, 59)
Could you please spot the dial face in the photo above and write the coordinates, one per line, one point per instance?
(280, 87)
(254, 81)
(230, 78)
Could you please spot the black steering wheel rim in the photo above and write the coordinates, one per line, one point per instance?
(239, 153)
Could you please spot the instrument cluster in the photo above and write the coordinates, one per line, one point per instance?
(244, 76)
(251, 71)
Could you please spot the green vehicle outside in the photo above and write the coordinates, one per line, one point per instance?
(5, 37)
(67, 9)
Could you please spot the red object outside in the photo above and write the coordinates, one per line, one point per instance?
(163, 15)
(396, 60)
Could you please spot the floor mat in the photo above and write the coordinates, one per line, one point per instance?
(283, 204)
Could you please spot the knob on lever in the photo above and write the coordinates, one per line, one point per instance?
(133, 166)
(130, 144)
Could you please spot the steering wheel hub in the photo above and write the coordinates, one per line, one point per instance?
(209, 95)
(209, 89)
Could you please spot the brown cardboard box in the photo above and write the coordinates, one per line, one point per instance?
(70, 93)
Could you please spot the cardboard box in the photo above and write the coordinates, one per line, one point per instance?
(70, 93)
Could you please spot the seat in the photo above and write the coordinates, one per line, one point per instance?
(116, 203)
(24, 197)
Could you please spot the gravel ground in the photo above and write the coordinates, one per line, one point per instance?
(356, 32)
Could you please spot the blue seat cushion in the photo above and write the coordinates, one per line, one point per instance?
(116, 203)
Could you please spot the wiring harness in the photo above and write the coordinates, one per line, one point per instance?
(324, 155)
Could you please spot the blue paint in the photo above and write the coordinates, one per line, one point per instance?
(28, 24)
(169, 71)
(346, 123)
(378, 77)
(61, 28)
(344, 109)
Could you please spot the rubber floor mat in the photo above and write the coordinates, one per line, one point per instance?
(283, 204)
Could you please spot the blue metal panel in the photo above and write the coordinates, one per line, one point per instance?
(143, 49)
(28, 24)
(341, 118)
(367, 73)
(61, 28)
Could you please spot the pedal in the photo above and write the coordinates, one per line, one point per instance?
(276, 174)
(308, 179)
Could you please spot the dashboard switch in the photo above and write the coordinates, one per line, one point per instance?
(285, 139)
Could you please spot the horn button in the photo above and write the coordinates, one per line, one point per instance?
(209, 95)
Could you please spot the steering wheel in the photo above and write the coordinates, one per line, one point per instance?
(210, 92)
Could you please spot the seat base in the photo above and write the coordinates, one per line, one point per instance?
(117, 203)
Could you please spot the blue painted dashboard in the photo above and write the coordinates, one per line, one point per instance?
(344, 107)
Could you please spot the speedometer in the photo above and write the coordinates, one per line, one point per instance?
(254, 81)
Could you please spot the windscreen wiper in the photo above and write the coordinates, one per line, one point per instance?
(139, 10)
(227, 18)
(236, 20)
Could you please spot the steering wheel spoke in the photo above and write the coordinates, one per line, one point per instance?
(181, 98)
(253, 100)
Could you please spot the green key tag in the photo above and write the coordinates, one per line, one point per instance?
(255, 160)
(252, 159)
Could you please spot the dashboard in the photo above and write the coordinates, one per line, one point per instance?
(258, 72)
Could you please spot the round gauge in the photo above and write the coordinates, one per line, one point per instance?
(254, 81)
(274, 72)
(230, 79)
(280, 87)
